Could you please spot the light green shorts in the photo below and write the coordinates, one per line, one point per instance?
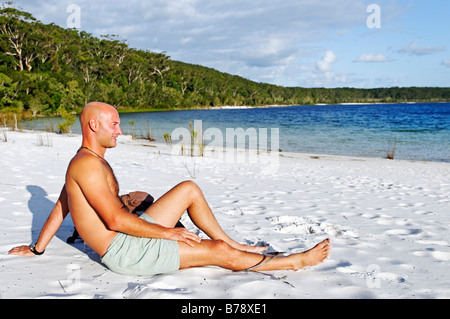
(136, 256)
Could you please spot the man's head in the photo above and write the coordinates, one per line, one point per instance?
(100, 124)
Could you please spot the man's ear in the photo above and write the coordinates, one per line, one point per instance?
(93, 125)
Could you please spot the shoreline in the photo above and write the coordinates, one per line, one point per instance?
(159, 144)
(237, 107)
(425, 141)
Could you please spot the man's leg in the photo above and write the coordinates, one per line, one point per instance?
(167, 210)
(219, 253)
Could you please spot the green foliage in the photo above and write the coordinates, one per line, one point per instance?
(7, 90)
(168, 139)
(46, 69)
(69, 120)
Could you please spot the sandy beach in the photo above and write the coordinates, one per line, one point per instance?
(389, 222)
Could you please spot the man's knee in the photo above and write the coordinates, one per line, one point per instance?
(221, 246)
(229, 255)
(192, 188)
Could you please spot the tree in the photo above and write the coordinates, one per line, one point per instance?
(134, 65)
(73, 98)
(17, 37)
(159, 64)
(7, 91)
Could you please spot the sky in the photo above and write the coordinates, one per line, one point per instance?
(302, 43)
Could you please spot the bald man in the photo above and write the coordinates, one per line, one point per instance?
(149, 244)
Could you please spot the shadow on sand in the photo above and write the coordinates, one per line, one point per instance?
(40, 206)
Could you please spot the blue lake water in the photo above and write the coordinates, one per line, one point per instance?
(418, 131)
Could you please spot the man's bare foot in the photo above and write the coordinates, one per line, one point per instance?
(314, 256)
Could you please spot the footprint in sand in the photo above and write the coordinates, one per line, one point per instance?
(433, 242)
(403, 232)
(306, 226)
(430, 252)
(423, 212)
(136, 291)
(369, 273)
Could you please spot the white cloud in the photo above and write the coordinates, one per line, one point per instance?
(321, 73)
(177, 8)
(326, 62)
(372, 58)
(446, 63)
(328, 79)
(414, 49)
(185, 40)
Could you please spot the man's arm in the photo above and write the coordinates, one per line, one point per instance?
(51, 226)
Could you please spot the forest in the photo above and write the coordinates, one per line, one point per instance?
(47, 70)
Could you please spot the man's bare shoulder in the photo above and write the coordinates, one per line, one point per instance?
(83, 165)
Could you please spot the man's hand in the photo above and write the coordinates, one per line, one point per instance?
(183, 235)
(22, 251)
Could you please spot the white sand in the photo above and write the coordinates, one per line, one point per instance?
(389, 222)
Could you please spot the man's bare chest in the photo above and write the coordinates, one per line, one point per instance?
(111, 178)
